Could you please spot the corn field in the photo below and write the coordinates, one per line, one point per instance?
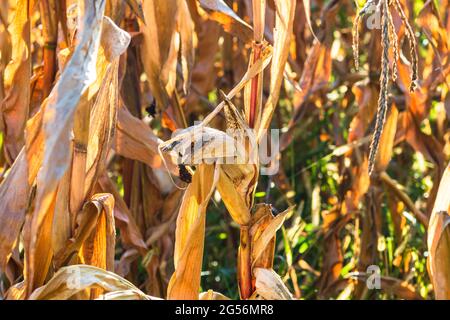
(131, 139)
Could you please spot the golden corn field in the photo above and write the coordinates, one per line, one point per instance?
(224, 149)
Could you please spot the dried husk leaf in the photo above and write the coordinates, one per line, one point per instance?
(244, 178)
(209, 145)
(264, 230)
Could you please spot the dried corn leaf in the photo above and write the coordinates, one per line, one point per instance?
(387, 139)
(16, 292)
(401, 289)
(228, 19)
(71, 280)
(20, 179)
(270, 286)
(234, 201)
(439, 239)
(15, 106)
(125, 221)
(14, 192)
(263, 231)
(58, 119)
(284, 21)
(160, 17)
(135, 140)
(186, 31)
(190, 233)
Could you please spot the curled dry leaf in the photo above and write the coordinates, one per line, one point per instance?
(94, 237)
(270, 286)
(228, 19)
(69, 281)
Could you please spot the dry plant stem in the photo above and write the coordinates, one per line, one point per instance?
(256, 92)
(256, 83)
(80, 143)
(384, 81)
(397, 190)
(244, 264)
(50, 32)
